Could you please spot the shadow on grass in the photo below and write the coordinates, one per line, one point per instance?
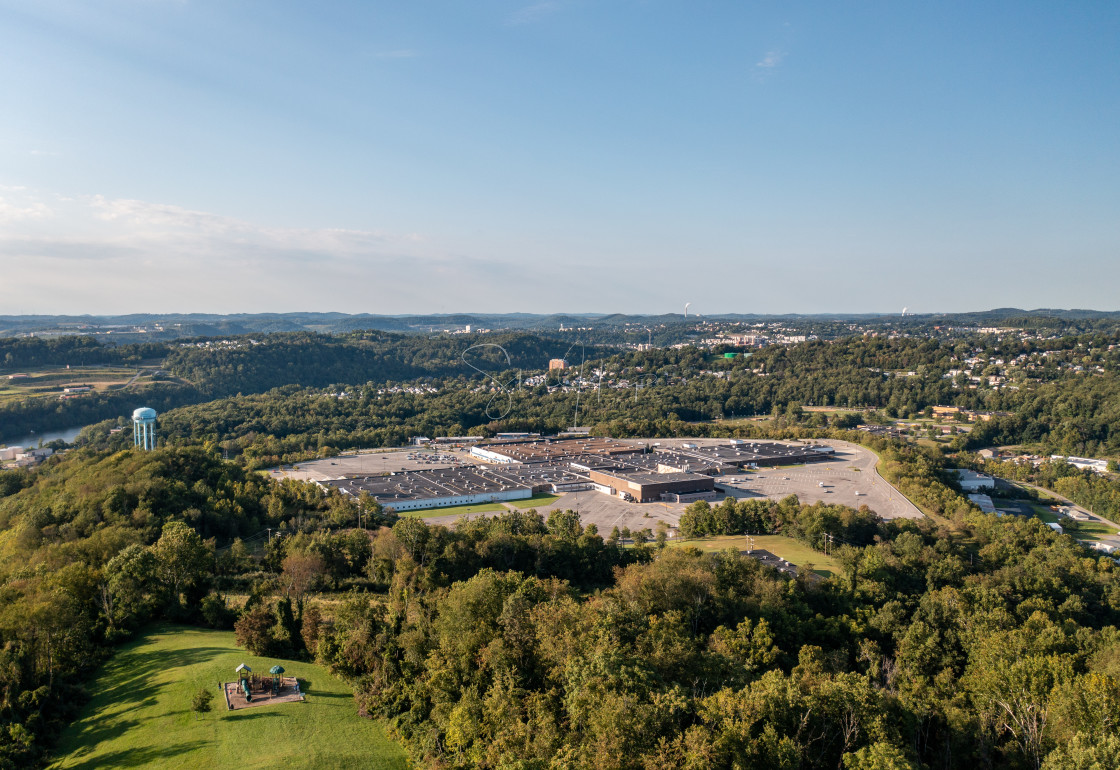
(247, 714)
(145, 757)
(133, 671)
(89, 736)
(94, 730)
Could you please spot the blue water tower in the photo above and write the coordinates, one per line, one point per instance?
(144, 427)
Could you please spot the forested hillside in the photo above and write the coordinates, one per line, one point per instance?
(31, 352)
(523, 640)
(1062, 394)
(247, 365)
(215, 368)
(959, 641)
(927, 652)
(1065, 403)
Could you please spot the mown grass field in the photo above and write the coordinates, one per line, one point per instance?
(139, 715)
(1044, 513)
(49, 382)
(452, 510)
(1088, 530)
(540, 502)
(783, 547)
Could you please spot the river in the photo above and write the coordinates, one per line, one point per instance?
(33, 440)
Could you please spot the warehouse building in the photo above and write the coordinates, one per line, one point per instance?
(739, 453)
(415, 490)
(517, 469)
(552, 449)
(641, 487)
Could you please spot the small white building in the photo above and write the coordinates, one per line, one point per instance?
(1070, 512)
(1056, 527)
(1084, 463)
(971, 481)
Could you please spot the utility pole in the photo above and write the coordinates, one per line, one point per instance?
(269, 535)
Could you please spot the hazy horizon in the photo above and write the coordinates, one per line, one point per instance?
(557, 157)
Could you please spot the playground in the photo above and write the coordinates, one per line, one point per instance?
(256, 690)
(139, 713)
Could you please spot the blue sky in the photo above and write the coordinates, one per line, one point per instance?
(232, 155)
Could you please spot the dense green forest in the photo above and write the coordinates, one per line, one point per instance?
(317, 360)
(1062, 393)
(30, 352)
(1054, 406)
(927, 652)
(96, 543)
(215, 368)
(529, 641)
(957, 641)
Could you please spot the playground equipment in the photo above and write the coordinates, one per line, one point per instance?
(276, 671)
(244, 672)
(268, 688)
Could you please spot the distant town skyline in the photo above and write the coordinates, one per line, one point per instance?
(557, 156)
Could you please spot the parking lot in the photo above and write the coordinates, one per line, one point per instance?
(851, 471)
(603, 511)
(372, 464)
(833, 482)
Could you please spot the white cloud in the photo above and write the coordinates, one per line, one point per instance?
(532, 13)
(771, 60)
(97, 254)
(22, 211)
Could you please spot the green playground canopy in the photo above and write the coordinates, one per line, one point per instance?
(276, 670)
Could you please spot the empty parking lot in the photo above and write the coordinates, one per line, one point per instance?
(851, 470)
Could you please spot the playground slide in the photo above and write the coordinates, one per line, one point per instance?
(245, 689)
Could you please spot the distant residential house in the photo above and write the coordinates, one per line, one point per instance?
(946, 411)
